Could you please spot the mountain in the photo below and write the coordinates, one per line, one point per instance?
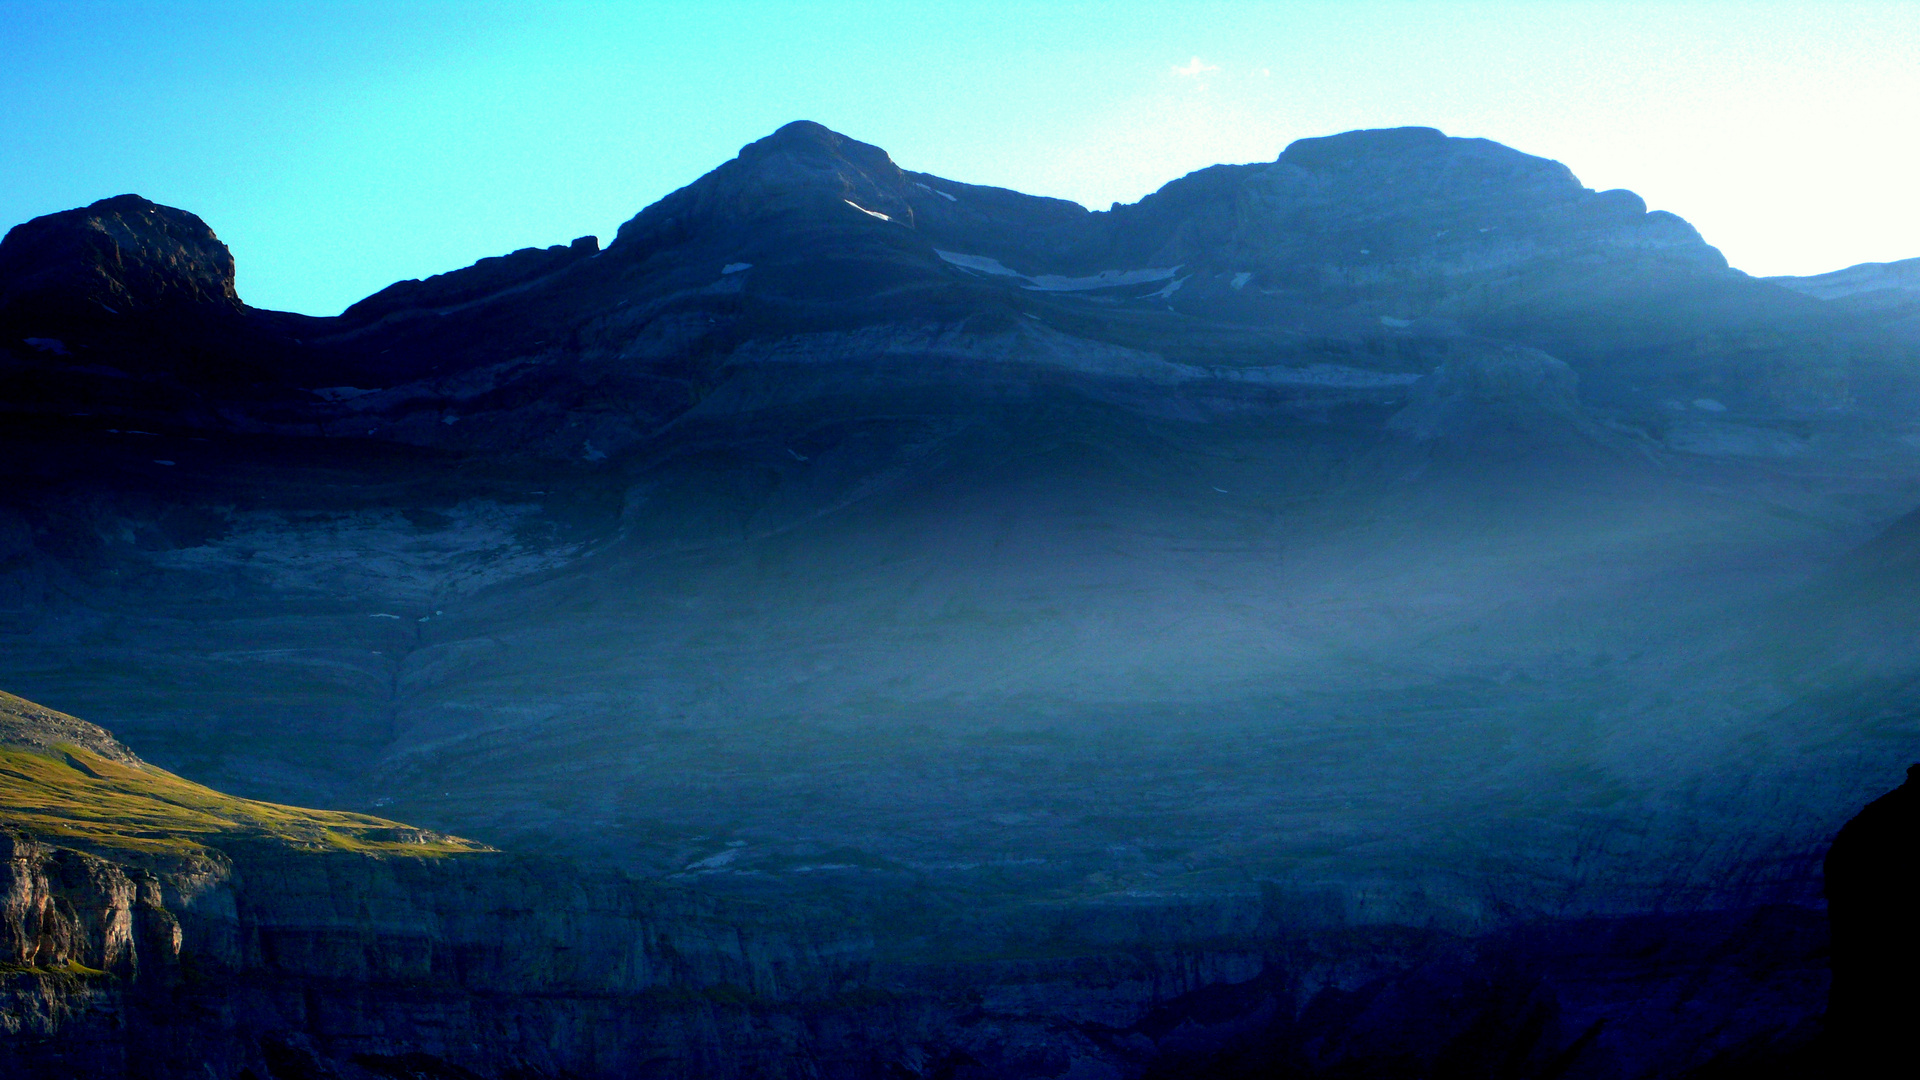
(1364, 245)
(1882, 297)
(1095, 621)
(1882, 282)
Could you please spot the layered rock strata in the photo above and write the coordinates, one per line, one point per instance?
(292, 965)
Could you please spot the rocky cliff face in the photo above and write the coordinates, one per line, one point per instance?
(290, 965)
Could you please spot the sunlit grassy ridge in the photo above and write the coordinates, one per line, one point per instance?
(100, 796)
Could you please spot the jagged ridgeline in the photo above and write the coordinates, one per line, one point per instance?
(64, 781)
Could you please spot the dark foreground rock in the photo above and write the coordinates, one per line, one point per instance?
(1873, 897)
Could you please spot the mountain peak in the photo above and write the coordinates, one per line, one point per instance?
(1437, 157)
(122, 255)
(804, 134)
(1364, 141)
(804, 169)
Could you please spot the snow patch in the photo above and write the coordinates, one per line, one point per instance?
(864, 210)
(1105, 279)
(1708, 405)
(979, 263)
(935, 191)
(1167, 293)
(1397, 324)
(1333, 375)
(1240, 279)
(734, 268)
(715, 862)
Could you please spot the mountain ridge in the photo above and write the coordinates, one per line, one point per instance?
(1323, 246)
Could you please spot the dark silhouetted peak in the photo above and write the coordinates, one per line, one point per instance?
(1418, 169)
(804, 172)
(1395, 143)
(806, 138)
(1405, 202)
(118, 257)
(129, 287)
(483, 279)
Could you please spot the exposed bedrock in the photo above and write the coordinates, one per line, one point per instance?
(291, 964)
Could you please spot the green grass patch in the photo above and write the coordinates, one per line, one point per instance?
(69, 794)
(78, 971)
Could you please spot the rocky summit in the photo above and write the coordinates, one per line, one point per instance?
(1387, 611)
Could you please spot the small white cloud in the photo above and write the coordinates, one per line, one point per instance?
(1194, 68)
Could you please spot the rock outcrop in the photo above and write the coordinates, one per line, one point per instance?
(132, 304)
(124, 256)
(1873, 902)
(1504, 401)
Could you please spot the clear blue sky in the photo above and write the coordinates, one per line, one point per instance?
(338, 147)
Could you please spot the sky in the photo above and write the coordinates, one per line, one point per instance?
(338, 147)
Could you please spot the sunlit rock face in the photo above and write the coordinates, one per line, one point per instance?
(1395, 542)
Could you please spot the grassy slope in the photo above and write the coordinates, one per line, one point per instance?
(64, 792)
